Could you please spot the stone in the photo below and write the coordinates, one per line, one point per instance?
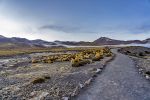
(88, 81)
(65, 98)
(38, 95)
(81, 85)
(94, 75)
(147, 77)
(76, 91)
(98, 70)
(140, 69)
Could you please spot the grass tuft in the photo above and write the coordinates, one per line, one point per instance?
(38, 80)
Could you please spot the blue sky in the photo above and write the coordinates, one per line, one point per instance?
(75, 20)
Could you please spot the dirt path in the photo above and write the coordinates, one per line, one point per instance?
(119, 81)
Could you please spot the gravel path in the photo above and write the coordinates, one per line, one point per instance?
(119, 81)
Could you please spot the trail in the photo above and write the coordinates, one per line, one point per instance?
(119, 81)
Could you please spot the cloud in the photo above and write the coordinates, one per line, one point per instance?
(143, 28)
(138, 28)
(66, 28)
(60, 28)
(9, 25)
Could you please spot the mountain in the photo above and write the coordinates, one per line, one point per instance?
(2, 36)
(16, 42)
(103, 41)
(147, 40)
(108, 41)
(73, 43)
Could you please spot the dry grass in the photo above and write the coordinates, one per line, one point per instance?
(13, 52)
(38, 80)
(76, 63)
(82, 57)
(41, 79)
(98, 56)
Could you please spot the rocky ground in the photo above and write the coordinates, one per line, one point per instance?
(119, 81)
(20, 79)
(143, 65)
(141, 57)
(136, 51)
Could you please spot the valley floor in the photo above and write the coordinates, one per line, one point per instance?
(120, 80)
(61, 79)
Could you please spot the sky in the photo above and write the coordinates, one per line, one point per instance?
(75, 20)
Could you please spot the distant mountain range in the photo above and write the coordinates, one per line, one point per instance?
(16, 42)
(108, 41)
(104, 41)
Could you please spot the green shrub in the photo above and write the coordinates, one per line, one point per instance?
(35, 61)
(97, 57)
(108, 54)
(95, 54)
(47, 61)
(46, 76)
(38, 80)
(80, 63)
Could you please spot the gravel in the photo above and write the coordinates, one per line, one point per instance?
(119, 81)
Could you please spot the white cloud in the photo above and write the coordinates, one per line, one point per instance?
(7, 25)
(11, 27)
(125, 35)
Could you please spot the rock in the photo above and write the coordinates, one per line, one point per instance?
(98, 70)
(2, 65)
(32, 94)
(2, 72)
(81, 85)
(11, 65)
(65, 98)
(101, 67)
(11, 88)
(76, 91)
(43, 95)
(88, 81)
(38, 95)
(94, 75)
(147, 77)
(140, 69)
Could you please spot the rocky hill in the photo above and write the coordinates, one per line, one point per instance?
(15, 42)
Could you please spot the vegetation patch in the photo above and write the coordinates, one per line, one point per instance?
(40, 79)
(58, 73)
(80, 58)
(75, 63)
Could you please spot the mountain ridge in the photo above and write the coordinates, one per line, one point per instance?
(42, 43)
(106, 41)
